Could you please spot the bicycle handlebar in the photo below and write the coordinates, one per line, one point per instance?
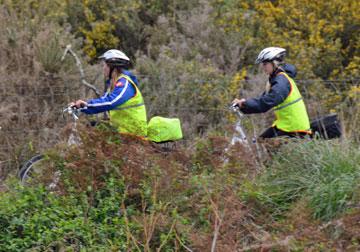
(236, 109)
(73, 111)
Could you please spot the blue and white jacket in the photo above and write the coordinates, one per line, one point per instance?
(122, 92)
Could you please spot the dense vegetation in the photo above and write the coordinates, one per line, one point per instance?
(192, 58)
(116, 193)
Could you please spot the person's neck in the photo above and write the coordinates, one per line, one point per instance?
(275, 72)
(115, 76)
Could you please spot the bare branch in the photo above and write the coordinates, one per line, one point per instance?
(181, 243)
(218, 222)
(219, 216)
(129, 236)
(81, 70)
(267, 246)
(167, 236)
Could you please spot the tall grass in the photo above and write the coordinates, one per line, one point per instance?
(324, 173)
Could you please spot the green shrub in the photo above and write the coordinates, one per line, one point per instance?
(39, 219)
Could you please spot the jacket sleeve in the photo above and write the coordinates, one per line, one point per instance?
(278, 92)
(122, 92)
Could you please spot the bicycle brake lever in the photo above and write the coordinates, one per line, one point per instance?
(235, 105)
(73, 111)
(236, 109)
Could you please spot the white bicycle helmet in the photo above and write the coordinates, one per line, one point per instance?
(271, 53)
(115, 58)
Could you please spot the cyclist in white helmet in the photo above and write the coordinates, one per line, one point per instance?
(282, 96)
(122, 97)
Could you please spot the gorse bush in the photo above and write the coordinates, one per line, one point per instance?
(325, 174)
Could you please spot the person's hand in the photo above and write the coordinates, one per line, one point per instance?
(238, 102)
(78, 104)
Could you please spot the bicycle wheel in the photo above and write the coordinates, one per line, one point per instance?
(30, 168)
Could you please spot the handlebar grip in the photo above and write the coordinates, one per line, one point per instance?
(74, 107)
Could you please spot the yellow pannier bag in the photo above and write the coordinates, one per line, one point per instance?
(161, 129)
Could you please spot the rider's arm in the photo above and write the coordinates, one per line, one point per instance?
(278, 92)
(122, 92)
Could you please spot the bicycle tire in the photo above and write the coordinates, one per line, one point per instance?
(26, 168)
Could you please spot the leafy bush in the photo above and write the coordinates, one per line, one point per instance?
(36, 218)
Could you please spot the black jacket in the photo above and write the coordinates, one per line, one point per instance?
(279, 91)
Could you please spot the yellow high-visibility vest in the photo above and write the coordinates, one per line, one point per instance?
(291, 114)
(130, 117)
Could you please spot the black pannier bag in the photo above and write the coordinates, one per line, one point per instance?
(326, 127)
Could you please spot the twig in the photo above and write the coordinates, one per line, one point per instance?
(81, 70)
(218, 219)
(167, 236)
(181, 243)
(267, 246)
(218, 222)
(338, 223)
(129, 235)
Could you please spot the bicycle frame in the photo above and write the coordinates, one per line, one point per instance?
(74, 138)
(239, 135)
